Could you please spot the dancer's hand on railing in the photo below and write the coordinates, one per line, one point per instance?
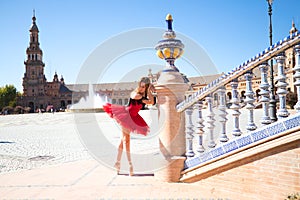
(151, 88)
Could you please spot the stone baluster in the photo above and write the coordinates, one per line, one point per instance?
(265, 94)
(281, 86)
(249, 100)
(223, 113)
(297, 76)
(199, 126)
(210, 120)
(189, 132)
(235, 108)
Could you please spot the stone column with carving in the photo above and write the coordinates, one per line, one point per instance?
(171, 87)
(265, 94)
(235, 108)
(189, 130)
(210, 121)
(281, 85)
(199, 126)
(297, 76)
(223, 113)
(249, 100)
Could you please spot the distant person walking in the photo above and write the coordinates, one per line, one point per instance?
(129, 119)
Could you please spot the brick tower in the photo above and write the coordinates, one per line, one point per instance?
(34, 80)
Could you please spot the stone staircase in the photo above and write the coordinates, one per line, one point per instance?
(266, 154)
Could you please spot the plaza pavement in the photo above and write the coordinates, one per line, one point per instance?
(43, 157)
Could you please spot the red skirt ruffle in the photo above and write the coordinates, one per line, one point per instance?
(127, 118)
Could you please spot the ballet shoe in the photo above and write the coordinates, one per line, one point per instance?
(130, 169)
(117, 167)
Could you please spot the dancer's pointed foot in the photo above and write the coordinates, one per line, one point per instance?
(117, 167)
(130, 169)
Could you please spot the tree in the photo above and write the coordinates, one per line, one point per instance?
(8, 96)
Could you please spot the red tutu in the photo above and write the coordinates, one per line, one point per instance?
(128, 117)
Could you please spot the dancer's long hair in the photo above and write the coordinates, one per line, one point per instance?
(145, 80)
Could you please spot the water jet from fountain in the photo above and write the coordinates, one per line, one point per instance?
(91, 103)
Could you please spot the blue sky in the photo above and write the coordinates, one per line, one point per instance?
(229, 31)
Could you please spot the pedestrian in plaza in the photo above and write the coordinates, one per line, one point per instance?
(129, 118)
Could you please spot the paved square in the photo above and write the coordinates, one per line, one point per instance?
(42, 157)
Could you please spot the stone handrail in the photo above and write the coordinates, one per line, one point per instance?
(250, 64)
(211, 148)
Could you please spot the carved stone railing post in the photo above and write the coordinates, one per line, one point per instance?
(171, 87)
(199, 126)
(210, 120)
(297, 76)
(249, 100)
(223, 113)
(235, 108)
(265, 94)
(281, 86)
(189, 132)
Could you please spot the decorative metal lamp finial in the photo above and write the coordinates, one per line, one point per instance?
(169, 20)
(169, 48)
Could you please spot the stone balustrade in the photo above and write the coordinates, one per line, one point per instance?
(202, 145)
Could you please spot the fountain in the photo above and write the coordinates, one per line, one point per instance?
(91, 103)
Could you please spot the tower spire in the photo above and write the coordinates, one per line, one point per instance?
(34, 66)
(33, 25)
(33, 16)
(293, 29)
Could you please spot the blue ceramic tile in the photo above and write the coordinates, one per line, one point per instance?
(258, 135)
(205, 157)
(217, 152)
(230, 146)
(244, 141)
(293, 122)
(276, 128)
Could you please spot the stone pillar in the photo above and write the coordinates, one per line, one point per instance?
(210, 121)
(170, 90)
(199, 126)
(296, 69)
(223, 113)
(235, 108)
(265, 94)
(189, 132)
(249, 100)
(281, 86)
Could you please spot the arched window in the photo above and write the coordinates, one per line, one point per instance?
(120, 102)
(126, 101)
(243, 94)
(215, 97)
(257, 94)
(229, 95)
(63, 104)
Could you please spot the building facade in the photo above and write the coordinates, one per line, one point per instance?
(38, 93)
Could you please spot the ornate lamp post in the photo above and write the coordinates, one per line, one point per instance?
(273, 116)
(171, 87)
(169, 48)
